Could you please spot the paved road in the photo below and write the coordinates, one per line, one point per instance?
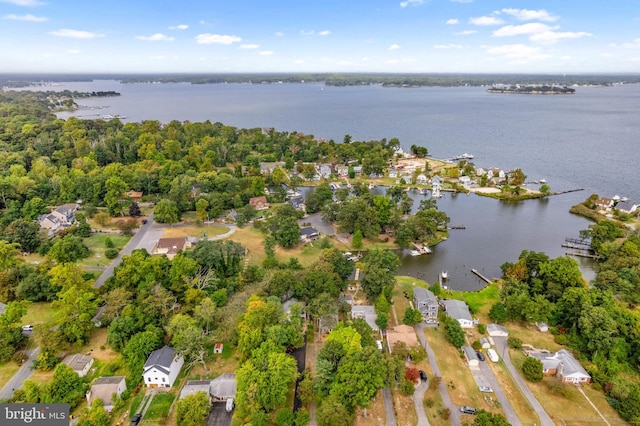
(218, 415)
(501, 346)
(417, 401)
(442, 387)
(388, 407)
(131, 246)
(21, 375)
(490, 380)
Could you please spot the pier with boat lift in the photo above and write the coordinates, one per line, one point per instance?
(482, 277)
(581, 248)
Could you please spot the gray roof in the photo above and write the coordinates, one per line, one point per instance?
(570, 366)
(194, 386)
(104, 388)
(77, 361)
(161, 359)
(308, 231)
(366, 312)
(224, 386)
(457, 309)
(495, 328)
(469, 352)
(421, 294)
(111, 380)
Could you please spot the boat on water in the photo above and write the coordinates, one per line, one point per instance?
(415, 253)
(445, 275)
(424, 191)
(465, 156)
(543, 181)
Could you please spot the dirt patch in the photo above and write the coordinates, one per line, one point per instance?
(405, 409)
(375, 413)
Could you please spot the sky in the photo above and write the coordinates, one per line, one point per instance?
(261, 36)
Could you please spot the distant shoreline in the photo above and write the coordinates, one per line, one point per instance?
(534, 90)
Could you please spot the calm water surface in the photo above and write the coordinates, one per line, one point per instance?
(588, 140)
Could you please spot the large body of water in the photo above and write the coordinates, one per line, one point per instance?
(587, 140)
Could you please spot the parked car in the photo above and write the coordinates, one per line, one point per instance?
(230, 405)
(485, 389)
(27, 327)
(480, 355)
(423, 376)
(136, 419)
(431, 321)
(467, 410)
(493, 355)
(379, 345)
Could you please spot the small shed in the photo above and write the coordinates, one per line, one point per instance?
(472, 358)
(485, 343)
(542, 326)
(79, 363)
(217, 348)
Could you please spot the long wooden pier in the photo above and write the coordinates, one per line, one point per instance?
(582, 254)
(482, 277)
(457, 227)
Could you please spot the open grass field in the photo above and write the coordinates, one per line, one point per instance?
(38, 313)
(480, 301)
(158, 409)
(405, 408)
(251, 238)
(98, 245)
(7, 370)
(519, 403)
(195, 231)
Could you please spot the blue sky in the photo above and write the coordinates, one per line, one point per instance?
(407, 36)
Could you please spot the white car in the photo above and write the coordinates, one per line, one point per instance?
(485, 389)
(27, 327)
(493, 355)
(230, 405)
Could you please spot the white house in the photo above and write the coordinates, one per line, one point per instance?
(563, 365)
(162, 368)
(496, 330)
(104, 388)
(81, 364)
(458, 310)
(421, 179)
(436, 182)
(63, 216)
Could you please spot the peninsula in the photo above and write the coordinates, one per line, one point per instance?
(532, 90)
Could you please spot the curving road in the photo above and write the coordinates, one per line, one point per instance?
(442, 387)
(423, 420)
(501, 346)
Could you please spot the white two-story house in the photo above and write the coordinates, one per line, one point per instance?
(162, 368)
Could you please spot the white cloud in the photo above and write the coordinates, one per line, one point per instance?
(462, 1)
(520, 52)
(266, 53)
(28, 17)
(75, 34)
(466, 32)
(448, 46)
(23, 2)
(514, 30)
(411, 3)
(394, 47)
(279, 34)
(179, 27)
(485, 20)
(635, 44)
(248, 46)
(307, 33)
(452, 22)
(313, 33)
(530, 15)
(156, 37)
(73, 51)
(324, 33)
(553, 36)
(217, 39)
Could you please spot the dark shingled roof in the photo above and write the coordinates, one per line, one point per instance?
(160, 359)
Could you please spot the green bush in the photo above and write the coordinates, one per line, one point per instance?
(111, 253)
(109, 243)
(532, 369)
(514, 342)
(476, 345)
(482, 329)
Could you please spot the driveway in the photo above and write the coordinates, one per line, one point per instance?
(503, 350)
(315, 219)
(488, 379)
(442, 387)
(423, 420)
(218, 415)
(388, 407)
(21, 375)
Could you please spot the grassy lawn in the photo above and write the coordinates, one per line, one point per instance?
(519, 403)
(405, 408)
(38, 313)
(251, 238)
(158, 408)
(97, 246)
(564, 403)
(194, 231)
(7, 370)
(480, 301)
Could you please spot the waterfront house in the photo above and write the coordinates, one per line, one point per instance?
(393, 173)
(342, 170)
(259, 203)
(79, 363)
(604, 203)
(627, 207)
(357, 170)
(421, 179)
(563, 365)
(367, 313)
(105, 389)
(162, 368)
(298, 203)
(465, 180)
(436, 182)
(458, 310)
(324, 170)
(426, 302)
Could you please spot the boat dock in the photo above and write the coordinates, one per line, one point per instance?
(422, 249)
(482, 277)
(583, 254)
(457, 227)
